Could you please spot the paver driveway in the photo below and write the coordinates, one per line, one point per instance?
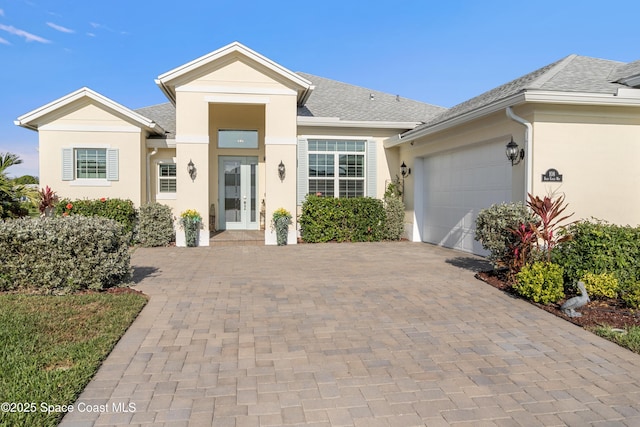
(384, 334)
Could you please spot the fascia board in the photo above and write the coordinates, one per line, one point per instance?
(412, 135)
(26, 120)
(336, 122)
(234, 47)
(581, 98)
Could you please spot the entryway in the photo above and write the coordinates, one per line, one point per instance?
(238, 193)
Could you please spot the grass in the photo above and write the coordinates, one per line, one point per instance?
(627, 338)
(51, 346)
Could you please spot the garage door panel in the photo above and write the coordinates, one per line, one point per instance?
(457, 185)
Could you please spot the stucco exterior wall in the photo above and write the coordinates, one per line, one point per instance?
(89, 126)
(596, 150)
(496, 128)
(241, 93)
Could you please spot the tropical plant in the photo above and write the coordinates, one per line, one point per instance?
(548, 228)
(497, 228)
(10, 192)
(48, 200)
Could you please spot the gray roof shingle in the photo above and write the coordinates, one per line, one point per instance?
(573, 73)
(332, 98)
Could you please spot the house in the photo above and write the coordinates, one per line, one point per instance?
(242, 136)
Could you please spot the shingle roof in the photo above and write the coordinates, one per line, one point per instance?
(571, 74)
(164, 115)
(625, 71)
(332, 98)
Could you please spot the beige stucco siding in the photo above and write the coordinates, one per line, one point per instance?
(238, 94)
(89, 126)
(597, 153)
(494, 129)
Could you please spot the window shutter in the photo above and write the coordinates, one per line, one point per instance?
(372, 168)
(303, 169)
(112, 164)
(67, 164)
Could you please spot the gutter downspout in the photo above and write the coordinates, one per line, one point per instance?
(155, 150)
(527, 147)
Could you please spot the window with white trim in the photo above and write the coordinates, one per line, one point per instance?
(167, 182)
(336, 167)
(91, 163)
(90, 166)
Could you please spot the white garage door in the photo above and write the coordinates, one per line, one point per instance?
(457, 185)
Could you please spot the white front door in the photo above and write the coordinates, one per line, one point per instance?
(238, 191)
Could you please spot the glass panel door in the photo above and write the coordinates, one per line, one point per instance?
(238, 190)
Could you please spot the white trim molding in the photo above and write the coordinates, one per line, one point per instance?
(280, 140)
(90, 183)
(336, 122)
(192, 139)
(89, 128)
(236, 90)
(235, 99)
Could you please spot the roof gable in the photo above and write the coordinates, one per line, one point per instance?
(79, 99)
(234, 51)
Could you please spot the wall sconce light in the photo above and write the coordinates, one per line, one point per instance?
(404, 170)
(281, 171)
(514, 154)
(191, 168)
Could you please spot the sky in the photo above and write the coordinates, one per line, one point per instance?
(440, 52)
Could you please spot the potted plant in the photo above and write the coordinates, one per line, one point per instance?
(281, 222)
(190, 221)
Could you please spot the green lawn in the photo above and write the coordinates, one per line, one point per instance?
(51, 346)
(629, 338)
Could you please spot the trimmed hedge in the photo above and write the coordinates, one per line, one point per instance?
(494, 227)
(155, 225)
(63, 254)
(598, 247)
(120, 210)
(358, 219)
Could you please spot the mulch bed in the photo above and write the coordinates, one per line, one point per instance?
(609, 312)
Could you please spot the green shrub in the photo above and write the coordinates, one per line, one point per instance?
(603, 285)
(599, 247)
(540, 282)
(494, 227)
(120, 210)
(155, 225)
(359, 219)
(58, 255)
(631, 295)
(394, 217)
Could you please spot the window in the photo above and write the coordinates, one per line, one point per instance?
(228, 138)
(90, 166)
(167, 178)
(91, 163)
(337, 167)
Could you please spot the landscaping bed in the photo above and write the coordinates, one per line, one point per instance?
(600, 313)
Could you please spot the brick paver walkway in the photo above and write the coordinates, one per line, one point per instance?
(385, 334)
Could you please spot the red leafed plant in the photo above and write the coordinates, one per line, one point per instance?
(525, 236)
(550, 216)
(48, 199)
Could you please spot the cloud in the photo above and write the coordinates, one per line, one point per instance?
(3, 41)
(60, 28)
(21, 33)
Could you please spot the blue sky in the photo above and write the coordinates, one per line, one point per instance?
(441, 52)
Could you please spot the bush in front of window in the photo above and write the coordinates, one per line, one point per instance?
(63, 254)
(394, 213)
(120, 210)
(155, 225)
(358, 219)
